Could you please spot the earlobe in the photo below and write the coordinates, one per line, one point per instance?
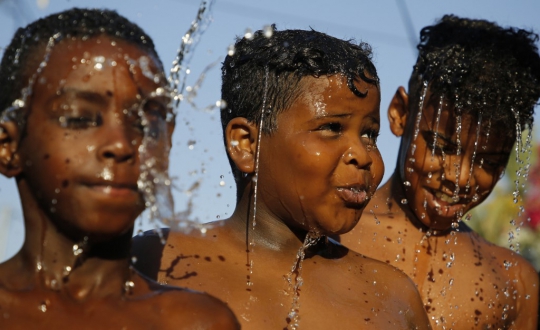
(398, 111)
(9, 159)
(241, 139)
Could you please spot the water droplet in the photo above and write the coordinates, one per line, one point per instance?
(231, 50)
(268, 31)
(248, 34)
(404, 201)
(407, 183)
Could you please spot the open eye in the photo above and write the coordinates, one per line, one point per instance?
(370, 136)
(332, 127)
(148, 117)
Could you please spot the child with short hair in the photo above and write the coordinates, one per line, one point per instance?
(471, 94)
(92, 84)
(300, 127)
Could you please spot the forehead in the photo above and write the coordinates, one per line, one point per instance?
(99, 64)
(327, 93)
(439, 115)
(72, 54)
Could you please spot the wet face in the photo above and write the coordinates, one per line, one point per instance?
(320, 167)
(452, 165)
(84, 126)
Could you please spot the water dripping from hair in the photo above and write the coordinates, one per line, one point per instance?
(252, 221)
(14, 112)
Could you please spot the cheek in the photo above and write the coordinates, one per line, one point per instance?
(485, 182)
(377, 167)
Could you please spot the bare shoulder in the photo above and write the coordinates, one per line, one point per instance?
(512, 261)
(198, 311)
(394, 287)
(188, 308)
(386, 273)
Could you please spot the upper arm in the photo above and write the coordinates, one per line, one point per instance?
(527, 296)
(417, 315)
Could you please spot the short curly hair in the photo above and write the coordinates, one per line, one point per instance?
(288, 56)
(76, 22)
(481, 67)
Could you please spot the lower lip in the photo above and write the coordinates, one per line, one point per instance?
(113, 191)
(357, 198)
(443, 209)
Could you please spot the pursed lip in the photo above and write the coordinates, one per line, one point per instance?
(355, 195)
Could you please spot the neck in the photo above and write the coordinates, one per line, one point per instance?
(268, 232)
(51, 260)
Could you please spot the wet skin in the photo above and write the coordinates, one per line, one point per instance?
(316, 173)
(462, 278)
(76, 164)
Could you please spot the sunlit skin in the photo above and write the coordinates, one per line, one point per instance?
(317, 172)
(462, 278)
(76, 163)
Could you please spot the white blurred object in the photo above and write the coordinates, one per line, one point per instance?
(42, 4)
(5, 222)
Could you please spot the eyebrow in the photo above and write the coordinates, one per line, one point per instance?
(340, 115)
(90, 96)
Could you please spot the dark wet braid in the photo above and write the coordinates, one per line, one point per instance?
(289, 56)
(481, 67)
(70, 23)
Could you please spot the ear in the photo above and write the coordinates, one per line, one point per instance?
(9, 159)
(398, 111)
(241, 142)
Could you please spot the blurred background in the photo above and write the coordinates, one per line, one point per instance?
(203, 185)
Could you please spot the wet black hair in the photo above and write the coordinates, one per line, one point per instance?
(481, 68)
(32, 40)
(272, 63)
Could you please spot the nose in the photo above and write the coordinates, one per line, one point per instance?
(117, 145)
(358, 155)
(458, 170)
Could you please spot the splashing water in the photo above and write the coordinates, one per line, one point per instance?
(185, 51)
(15, 113)
(154, 181)
(256, 174)
(295, 281)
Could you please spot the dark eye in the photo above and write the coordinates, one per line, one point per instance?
(155, 110)
(371, 136)
(439, 145)
(148, 118)
(79, 122)
(331, 127)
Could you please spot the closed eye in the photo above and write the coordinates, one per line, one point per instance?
(79, 122)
